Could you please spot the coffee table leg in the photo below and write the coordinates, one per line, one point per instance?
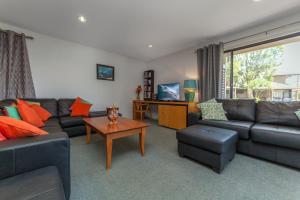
(88, 133)
(142, 141)
(108, 141)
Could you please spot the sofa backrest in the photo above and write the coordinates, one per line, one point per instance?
(279, 113)
(7, 102)
(48, 104)
(64, 107)
(239, 109)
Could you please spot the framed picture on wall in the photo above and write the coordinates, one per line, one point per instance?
(105, 72)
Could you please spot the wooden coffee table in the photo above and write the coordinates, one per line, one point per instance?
(124, 128)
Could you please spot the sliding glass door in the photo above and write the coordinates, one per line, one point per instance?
(268, 71)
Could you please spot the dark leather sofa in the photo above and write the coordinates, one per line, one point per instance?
(39, 167)
(267, 130)
(74, 126)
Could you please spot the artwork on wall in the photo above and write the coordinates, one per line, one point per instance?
(105, 72)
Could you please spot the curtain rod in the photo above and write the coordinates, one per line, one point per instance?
(26, 36)
(263, 32)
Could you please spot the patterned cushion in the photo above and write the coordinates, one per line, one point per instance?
(209, 101)
(213, 111)
(298, 114)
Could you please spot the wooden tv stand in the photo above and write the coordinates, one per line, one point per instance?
(171, 114)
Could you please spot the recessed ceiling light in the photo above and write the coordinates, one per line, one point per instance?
(82, 19)
(150, 46)
(257, 0)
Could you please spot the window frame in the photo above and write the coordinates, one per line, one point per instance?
(231, 54)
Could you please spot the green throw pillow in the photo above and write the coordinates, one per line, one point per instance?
(298, 114)
(213, 111)
(209, 101)
(12, 112)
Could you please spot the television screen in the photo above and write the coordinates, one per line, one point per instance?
(168, 92)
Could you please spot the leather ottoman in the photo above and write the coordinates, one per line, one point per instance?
(208, 145)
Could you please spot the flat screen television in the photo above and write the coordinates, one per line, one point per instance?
(168, 92)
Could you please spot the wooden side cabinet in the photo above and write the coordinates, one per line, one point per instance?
(172, 116)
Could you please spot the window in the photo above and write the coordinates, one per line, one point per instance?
(269, 71)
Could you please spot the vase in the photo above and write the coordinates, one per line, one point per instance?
(112, 114)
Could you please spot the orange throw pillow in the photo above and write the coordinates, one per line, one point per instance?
(77, 100)
(80, 109)
(13, 128)
(42, 112)
(28, 114)
(2, 137)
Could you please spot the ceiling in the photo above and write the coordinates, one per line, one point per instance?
(127, 27)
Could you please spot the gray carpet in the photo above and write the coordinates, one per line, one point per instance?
(162, 174)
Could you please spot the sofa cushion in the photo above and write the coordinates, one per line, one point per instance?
(242, 127)
(28, 114)
(213, 139)
(50, 129)
(12, 111)
(41, 184)
(80, 109)
(42, 112)
(53, 122)
(283, 136)
(69, 121)
(49, 104)
(13, 128)
(239, 109)
(279, 113)
(75, 131)
(64, 106)
(52, 126)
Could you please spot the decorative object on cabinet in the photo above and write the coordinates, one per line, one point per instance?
(138, 92)
(190, 87)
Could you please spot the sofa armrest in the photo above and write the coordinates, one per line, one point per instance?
(23, 155)
(99, 114)
(193, 118)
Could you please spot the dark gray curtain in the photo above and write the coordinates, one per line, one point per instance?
(210, 71)
(15, 74)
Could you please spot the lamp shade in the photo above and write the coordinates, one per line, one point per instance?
(190, 84)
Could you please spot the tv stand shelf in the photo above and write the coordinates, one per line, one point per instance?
(171, 114)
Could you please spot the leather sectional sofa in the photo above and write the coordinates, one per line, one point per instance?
(267, 130)
(39, 167)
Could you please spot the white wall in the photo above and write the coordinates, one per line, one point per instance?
(175, 68)
(183, 65)
(63, 69)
